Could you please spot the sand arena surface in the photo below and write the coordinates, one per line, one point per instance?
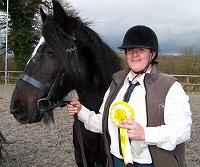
(37, 145)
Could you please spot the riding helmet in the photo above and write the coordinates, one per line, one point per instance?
(140, 37)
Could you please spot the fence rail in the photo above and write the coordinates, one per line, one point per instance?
(12, 77)
(189, 82)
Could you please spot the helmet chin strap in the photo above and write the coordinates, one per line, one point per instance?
(142, 71)
(145, 69)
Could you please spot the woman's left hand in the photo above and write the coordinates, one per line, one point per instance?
(134, 129)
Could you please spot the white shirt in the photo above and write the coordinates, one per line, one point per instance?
(177, 117)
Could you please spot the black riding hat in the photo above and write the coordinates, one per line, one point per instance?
(140, 37)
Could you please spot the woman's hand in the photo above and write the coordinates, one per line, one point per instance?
(73, 107)
(135, 130)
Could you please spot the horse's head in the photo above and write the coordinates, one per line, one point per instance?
(39, 86)
(87, 62)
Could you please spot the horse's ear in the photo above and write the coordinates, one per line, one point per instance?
(58, 11)
(43, 15)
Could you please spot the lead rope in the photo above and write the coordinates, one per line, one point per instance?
(72, 96)
(80, 139)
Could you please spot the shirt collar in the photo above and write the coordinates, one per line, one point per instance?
(129, 77)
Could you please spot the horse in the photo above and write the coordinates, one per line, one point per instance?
(70, 55)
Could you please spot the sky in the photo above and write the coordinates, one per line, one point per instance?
(176, 22)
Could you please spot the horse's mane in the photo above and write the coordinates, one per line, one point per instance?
(102, 60)
(108, 60)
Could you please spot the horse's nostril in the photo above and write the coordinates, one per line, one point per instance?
(17, 110)
(14, 104)
(23, 115)
(14, 107)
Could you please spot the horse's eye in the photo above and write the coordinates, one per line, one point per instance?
(48, 53)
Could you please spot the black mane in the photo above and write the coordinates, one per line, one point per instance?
(103, 52)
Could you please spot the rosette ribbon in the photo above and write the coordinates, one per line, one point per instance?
(119, 112)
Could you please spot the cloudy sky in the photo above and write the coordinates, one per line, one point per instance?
(176, 22)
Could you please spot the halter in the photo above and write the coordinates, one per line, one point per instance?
(45, 104)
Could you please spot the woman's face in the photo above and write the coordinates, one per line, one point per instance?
(138, 58)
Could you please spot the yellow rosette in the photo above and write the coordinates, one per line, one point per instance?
(120, 111)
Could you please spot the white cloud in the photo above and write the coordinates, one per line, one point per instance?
(176, 22)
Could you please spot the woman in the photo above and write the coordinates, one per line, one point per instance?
(156, 115)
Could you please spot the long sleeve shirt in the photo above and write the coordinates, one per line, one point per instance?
(177, 117)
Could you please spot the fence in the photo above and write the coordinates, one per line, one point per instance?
(12, 77)
(189, 82)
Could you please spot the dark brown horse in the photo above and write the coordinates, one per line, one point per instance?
(71, 56)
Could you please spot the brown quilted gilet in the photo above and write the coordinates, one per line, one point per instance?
(157, 86)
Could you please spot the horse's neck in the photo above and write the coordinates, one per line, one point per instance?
(92, 97)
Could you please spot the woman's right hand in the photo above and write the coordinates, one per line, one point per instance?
(73, 107)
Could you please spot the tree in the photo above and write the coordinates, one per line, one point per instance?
(3, 4)
(22, 38)
(3, 17)
(2, 31)
(24, 28)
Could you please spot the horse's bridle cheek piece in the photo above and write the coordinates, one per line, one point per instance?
(73, 50)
